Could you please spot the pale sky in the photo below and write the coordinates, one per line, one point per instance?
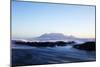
(31, 19)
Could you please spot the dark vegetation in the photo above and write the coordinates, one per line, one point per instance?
(88, 46)
(43, 44)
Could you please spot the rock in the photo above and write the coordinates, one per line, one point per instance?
(88, 46)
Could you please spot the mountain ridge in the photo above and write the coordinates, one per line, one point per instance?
(60, 37)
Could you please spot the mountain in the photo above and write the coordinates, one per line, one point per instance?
(54, 37)
(60, 37)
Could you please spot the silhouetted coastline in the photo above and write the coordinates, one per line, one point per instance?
(44, 44)
(89, 46)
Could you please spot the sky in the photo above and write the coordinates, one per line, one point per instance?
(32, 19)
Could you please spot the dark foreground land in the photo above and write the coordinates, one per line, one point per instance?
(44, 44)
(88, 46)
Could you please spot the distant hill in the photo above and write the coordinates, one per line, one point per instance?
(60, 37)
(54, 37)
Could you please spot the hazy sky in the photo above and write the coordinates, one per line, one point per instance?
(31, 19)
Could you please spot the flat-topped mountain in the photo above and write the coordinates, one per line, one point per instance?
(60, 37)
(54, 36)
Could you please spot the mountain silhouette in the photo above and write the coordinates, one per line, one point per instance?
(60, 37)
(54, 36)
